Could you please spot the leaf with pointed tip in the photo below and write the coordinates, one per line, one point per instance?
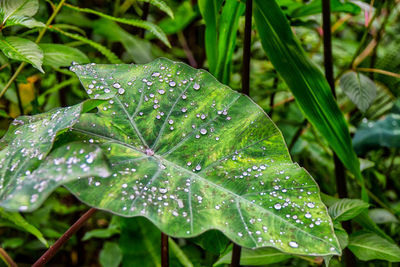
(24, 21)
(359, 88)
(346, 209)
(58, 55)
(368, 246)
(23, 50)
(190, 154)
(17, 8)
(29, 171)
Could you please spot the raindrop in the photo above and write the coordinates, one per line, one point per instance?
(155, 74)
(308, 215)
(277, 206)
(116, 85)
(293, 244)
(172, 83)
(184, 109)
(203, 131)
(163, 190)
(196, 86)
(310, 205)
(161, 91)
(121, 91)
(198, 167)
(170, 121)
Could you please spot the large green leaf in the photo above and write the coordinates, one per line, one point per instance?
(110, 255)
(346, 209)
(315, 7)
(305, 80)
(190, 154)
(28, 174)
(58, 55)
(359, 88)
(369, 246)
(23, 50)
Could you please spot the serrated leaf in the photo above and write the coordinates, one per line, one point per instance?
(359, 88)
(190, 154)
(346, 209)
(24, 21)
(261, 256)
(58, 55)
(23, 50)
(28, 174)
(19, 222)
(19, 8)
(369, 246)
(161, 5)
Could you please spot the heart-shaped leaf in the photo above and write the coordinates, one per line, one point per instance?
(190, 154)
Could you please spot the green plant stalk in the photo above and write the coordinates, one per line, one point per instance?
(38, 39)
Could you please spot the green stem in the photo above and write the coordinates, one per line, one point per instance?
(38, 39)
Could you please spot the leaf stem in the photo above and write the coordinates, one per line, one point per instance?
(64, 238)
(9, 261)
(38, 39)
(236, 251)
(164, 250)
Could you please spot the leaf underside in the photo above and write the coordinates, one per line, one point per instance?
(190, 154)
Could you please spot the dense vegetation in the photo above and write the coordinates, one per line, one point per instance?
(166, 151)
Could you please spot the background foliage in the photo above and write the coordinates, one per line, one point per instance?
(49, 35)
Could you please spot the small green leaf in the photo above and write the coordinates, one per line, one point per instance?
(380, 216)
(161, 5)
(359, 88)
(58, 55)
(110, 255)
(315, 7)
(22, 224)
(367, 223)
(24, 21)
(23, 50)
(261, 256)
(369, 246)
(375, 134)
(18, 8)
(346, 209)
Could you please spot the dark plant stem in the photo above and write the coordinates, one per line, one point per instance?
(247, 48)
(164, 250)
(64, 238)
(272, 97)
(340, 174)
(236, 251)
(7, 258)
(297, 134)
(146, 7)
(186, 49)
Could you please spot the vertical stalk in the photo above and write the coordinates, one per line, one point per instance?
(246, 48)
(63, 239)
(236, 250)
(146, 8)
(5, 257)
(164, 250)
(340, 175)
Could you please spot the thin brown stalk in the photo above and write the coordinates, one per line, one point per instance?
(7, 258)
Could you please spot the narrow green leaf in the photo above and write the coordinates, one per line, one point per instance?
(189, 153)
(23, 50)
(346, 209)
(369, 246)
(209, 11)
(228, 25)
(110, 255)
(161, 5)
(58, 55)
(359, 88)
(22, 224)
(102, 49)
(367, 223)
(257, 257)
(18, 8)
(305, 80)
(184, 15)
(151, 27)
